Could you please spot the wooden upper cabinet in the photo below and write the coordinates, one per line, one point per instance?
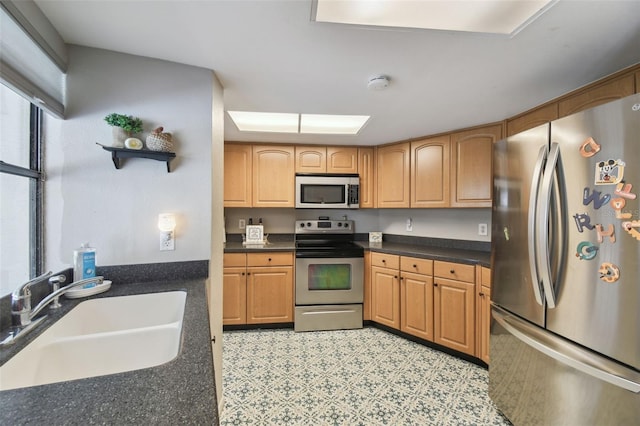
(311, 159)
(332, 159)
(532, 119)
(471, 166)
(237, 175)
(342, 159)
(393, 165)
(367, 170)
(430, 172)
(615, 89)
(638, 82)
(273, 176)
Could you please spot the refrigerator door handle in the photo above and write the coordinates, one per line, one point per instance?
(531, 232)
(568, 353)
(542, 217)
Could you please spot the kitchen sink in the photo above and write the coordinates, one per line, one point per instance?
(99, 337)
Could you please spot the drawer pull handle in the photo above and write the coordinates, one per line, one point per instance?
(481, 294)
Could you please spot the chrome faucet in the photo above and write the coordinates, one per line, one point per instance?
(21, 313)
(24, 316)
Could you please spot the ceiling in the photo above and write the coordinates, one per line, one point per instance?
(271, 56)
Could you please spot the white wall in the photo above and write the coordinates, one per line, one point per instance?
(455, 224)
(88, 200)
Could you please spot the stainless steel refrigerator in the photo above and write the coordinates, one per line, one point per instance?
(565, 329)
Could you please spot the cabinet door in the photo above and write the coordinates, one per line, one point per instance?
(638, 82)
(430, 172)
(273, 176)
(615, 89)
(533, 118)
(234, 296)
(367, 171)
(484, 321)
(342, 159)
(471, 166)
(385, 296)
(416, 305)
(366, 305)
(393, 176)
(270, 295)
(454, 315)
(311, 159)
(237, 175)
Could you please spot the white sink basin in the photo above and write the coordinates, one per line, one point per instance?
(100, 337)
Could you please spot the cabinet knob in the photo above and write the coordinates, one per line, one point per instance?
(384, 261)
(435, 284)
(395, 276)
(248, 273)
(415, 266)
(243, 274)
(481, 294)
(452, 271)
(269, 259)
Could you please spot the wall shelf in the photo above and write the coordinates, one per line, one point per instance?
(118, 154)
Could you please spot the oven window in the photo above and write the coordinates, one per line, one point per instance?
(329, 277)
(322, 194)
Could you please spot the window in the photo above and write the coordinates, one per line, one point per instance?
(20, 190)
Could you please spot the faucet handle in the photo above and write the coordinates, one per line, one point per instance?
(23, 290)
(54, 282)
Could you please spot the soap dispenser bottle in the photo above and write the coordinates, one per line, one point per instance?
(84, 264)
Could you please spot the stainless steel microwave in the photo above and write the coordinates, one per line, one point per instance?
(327, 191)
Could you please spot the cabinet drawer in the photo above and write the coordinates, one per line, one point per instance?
(385, 260)
(415, 265)
(270, 259)
(234, 260)
(454, 271)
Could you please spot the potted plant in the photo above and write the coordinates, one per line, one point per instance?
(123, 127)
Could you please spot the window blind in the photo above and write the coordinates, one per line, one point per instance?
(28, 64)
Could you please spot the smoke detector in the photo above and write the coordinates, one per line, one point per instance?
(378, 82)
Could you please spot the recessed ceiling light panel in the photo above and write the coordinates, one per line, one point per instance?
(274, 122)
(332, 124)
(482, 16)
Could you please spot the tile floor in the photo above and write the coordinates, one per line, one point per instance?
(348, 377)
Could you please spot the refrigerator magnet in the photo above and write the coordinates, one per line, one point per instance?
(609, 172)
(586, 250)
(609, 272)
(624, 190)
(633, 228)
(589, 148)
(598, 201)
(617, 204)
(610, 232)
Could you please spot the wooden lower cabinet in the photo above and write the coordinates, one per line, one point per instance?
(366, 304)
(257, 288)
(385, 296)
(483, 318)
(454, 307)
(416, 305)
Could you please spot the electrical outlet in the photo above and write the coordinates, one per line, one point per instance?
(167, 241)
(242, 224)
(409, 224)
(482, 229)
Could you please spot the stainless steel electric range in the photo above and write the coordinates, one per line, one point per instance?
(329, 276)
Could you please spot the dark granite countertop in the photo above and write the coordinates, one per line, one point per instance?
(237, 247)
(469, 252)
(181, 391)
(448, 254)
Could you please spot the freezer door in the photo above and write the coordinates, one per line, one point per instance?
(518, 163)
(598, 284)
(536, 378)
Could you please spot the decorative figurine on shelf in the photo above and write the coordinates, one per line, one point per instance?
(159, 141)
(123, 126)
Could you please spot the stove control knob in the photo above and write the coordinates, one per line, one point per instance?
(346, 224)
(302, 225)
(339, 224)
(309, 224)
